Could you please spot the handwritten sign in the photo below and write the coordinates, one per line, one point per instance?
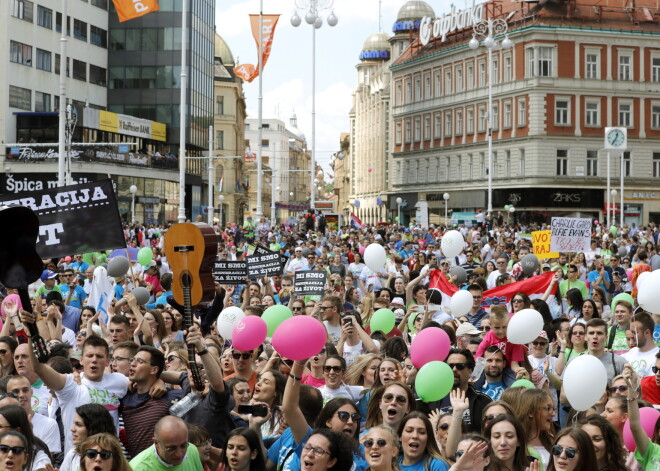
(541, 245)
(570, 234)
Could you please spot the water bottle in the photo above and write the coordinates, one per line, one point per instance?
(479, 366)
(181, 408)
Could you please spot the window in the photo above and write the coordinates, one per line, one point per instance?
(265, 142)
(627, 164)
(408, 91)
(408, 131)
(592, 163)
(418, 129)
(496, 71)
(220, 140)
(470, 121)
(22, 9)
(482, 74)
(508, 71)
(459, 79)
(507, 115)
(418, 89)
(220, 104)
(101, 4)
(58, 24)
(655, 116)
(399, 93)
(459, 122)
(655, 69)
(79, 70)
(98, 36)
(470, 167)
(625, 66)
(592, 113)
(495, 117)
(437, 132)
(427, 127)
(470, 76)
(448, 124)
(540, 61)
(592, 67)
(482, 119)
(20, 53)
(656, 165)
(42, 102)
(45, 17)
(562, 112)
(20, 98)
(522, 162)
(562, 162)
(80, 30)
(459, 168)
(507, 164)
(625, 114)
(98, 75)
(448, 87)
(427, 86)
(398, 133)
(522, 112)
(482, 164)
(44, 60)
(438, 84)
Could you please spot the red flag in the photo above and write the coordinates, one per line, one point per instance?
(129, 9)
(249, 72)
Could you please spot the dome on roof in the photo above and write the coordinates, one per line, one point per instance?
(376, 47)
(414, 10)
(293, 127)
(222, 51)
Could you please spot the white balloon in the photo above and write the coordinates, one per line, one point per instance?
(374, 257)
(227, 319)
(461, 303)
(640, 279)
(452, 243)
(585, 380)
(524, 326)
(647, 295)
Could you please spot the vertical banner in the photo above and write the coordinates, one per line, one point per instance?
(249, 72)
(130, 9)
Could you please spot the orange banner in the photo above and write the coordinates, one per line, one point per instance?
(249, 72)
(130, 9)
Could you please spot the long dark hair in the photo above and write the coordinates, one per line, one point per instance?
(575, 299)
(586, 456)
(29, 454)
(19, 422)
(340, 449)
(520, 460)
(613, 444)
(280, 385)
(432, 449)
(97, 419)
(254, 442)
(330, 409)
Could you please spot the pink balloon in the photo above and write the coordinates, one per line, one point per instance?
(648, 417)
(249, 333)
(596, 222)
(370, 169)
(299, 337)
(431, 344)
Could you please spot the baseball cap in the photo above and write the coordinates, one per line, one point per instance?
(467, 329)
(47, 275)
(152, 264)
(67, 259)
(398, 301)
(543, 335)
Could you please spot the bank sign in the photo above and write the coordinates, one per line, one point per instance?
(453, 21)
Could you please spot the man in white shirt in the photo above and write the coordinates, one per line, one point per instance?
(297, 263)
(642, 357)
(40, 393)
(501, 265)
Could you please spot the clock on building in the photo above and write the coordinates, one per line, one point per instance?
(616, 138)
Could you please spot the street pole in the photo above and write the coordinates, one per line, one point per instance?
(61, 149)
(490, 131)
(609, 202)
(210, 209)
(182, 113)
(260, 99)
(621, 195)
(313, 176)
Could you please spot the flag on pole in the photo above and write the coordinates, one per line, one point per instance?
(440, 290)
(130, 9)
(355, 222)
(249, 72)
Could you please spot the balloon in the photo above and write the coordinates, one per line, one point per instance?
(145, 255)
(383, 320)
(460, 274)
(461, 303)
(523, 383)
(506, 207)
(374, 257)
(622, 252)
(299, 338)
(141, 295)
(585, 380)
(452, 243)
(396, 218)
(9, 297)
(512, 209)
(647, 295)
(622, 297)
(613, 230)
(356, 203)
(306, 251)
(274, 316)
(118, 266)
(524, 326)
(596, 222)
(431, 344)
(648, 417)
(249, 333)
(227, 320)
(640, 279)
(370, 170)
(434, 381)
(530, 263)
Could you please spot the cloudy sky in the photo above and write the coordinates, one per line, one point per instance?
(287, 80)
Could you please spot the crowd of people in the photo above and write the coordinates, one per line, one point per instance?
(116, 391)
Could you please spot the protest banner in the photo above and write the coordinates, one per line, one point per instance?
(310, 282)
(73, 219)
(228, 272)
(570, 234)
(264, 262)
(541, 245)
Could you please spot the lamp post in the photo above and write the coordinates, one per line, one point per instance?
(312, 10)
(613, 193)
(488, 29)
(399, 200)
(221, 198)
(445, 197)
(133, 190)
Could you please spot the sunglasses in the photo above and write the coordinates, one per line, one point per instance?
(517, 301)
(92, 454)
(329, 368)
(344, 416)
(171, 358)
(244, 356)
(621, 389)
(443, 427)
(458, 366)
(578, 332)
(8, 394)
(655, 369)
(297, 308)
(370, 442)
(17, 450)
(557, 450)
(391, 397)
(539, 344)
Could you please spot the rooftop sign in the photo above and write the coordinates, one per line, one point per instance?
(454, 21)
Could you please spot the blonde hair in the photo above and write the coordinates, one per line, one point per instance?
(395, 441)
(354, 374)
(498, 313)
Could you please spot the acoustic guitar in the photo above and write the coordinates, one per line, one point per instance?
(191, 250)
(20, 263)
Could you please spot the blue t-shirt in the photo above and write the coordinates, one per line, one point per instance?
(77, 297)
(359, 463)
(593, 276)
(280, 451)
(434, 465)
(493, 390)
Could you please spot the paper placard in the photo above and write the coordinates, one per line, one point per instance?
(310, 282)
(570, 234)
(264, 262)
(228, 272)
(541, 245)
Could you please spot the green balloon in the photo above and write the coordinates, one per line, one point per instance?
(522, 383)
(145, 256)
(383, 320)
(613, 230)
(274, 316)
(434, 381)
(622, 297)
(411, 321)
(506, 207)
(396, 219)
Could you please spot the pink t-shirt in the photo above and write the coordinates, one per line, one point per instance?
(512, 352)
(307, 378)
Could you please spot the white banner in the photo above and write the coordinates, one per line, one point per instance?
(570, 235)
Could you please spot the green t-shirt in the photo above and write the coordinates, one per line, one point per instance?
(651, 459)
(620, 343)
(43, 291)
(148, 460)
(565, 285)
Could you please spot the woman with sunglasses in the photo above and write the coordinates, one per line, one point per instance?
(102, 452)
(441, 424)
(519, 302)
(606, 441)
(381, 448)
(88, 420)
(15, 418)
(14, 451)
(297, 306)
(389, 404)
(573, 451)
(571, 345)
(176, 360)
(507, 439)
(243, 451)
(419, 449)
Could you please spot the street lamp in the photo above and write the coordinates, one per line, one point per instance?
(489, 29)
(398, 205)
(445, 197)
(613, 192)
(312, 12)
(133, 190)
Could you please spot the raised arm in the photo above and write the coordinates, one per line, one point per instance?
(290, 403)
(211, 365)
(642, 440)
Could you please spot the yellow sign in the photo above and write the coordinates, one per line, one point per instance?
(158, 131)
(541, 245)
(108, 121)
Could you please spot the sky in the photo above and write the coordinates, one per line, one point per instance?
(287, 79)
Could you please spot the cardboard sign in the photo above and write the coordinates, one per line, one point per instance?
(228, 272)
(310, 282)
(570, 234)
(264, 262)
(541, 245)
